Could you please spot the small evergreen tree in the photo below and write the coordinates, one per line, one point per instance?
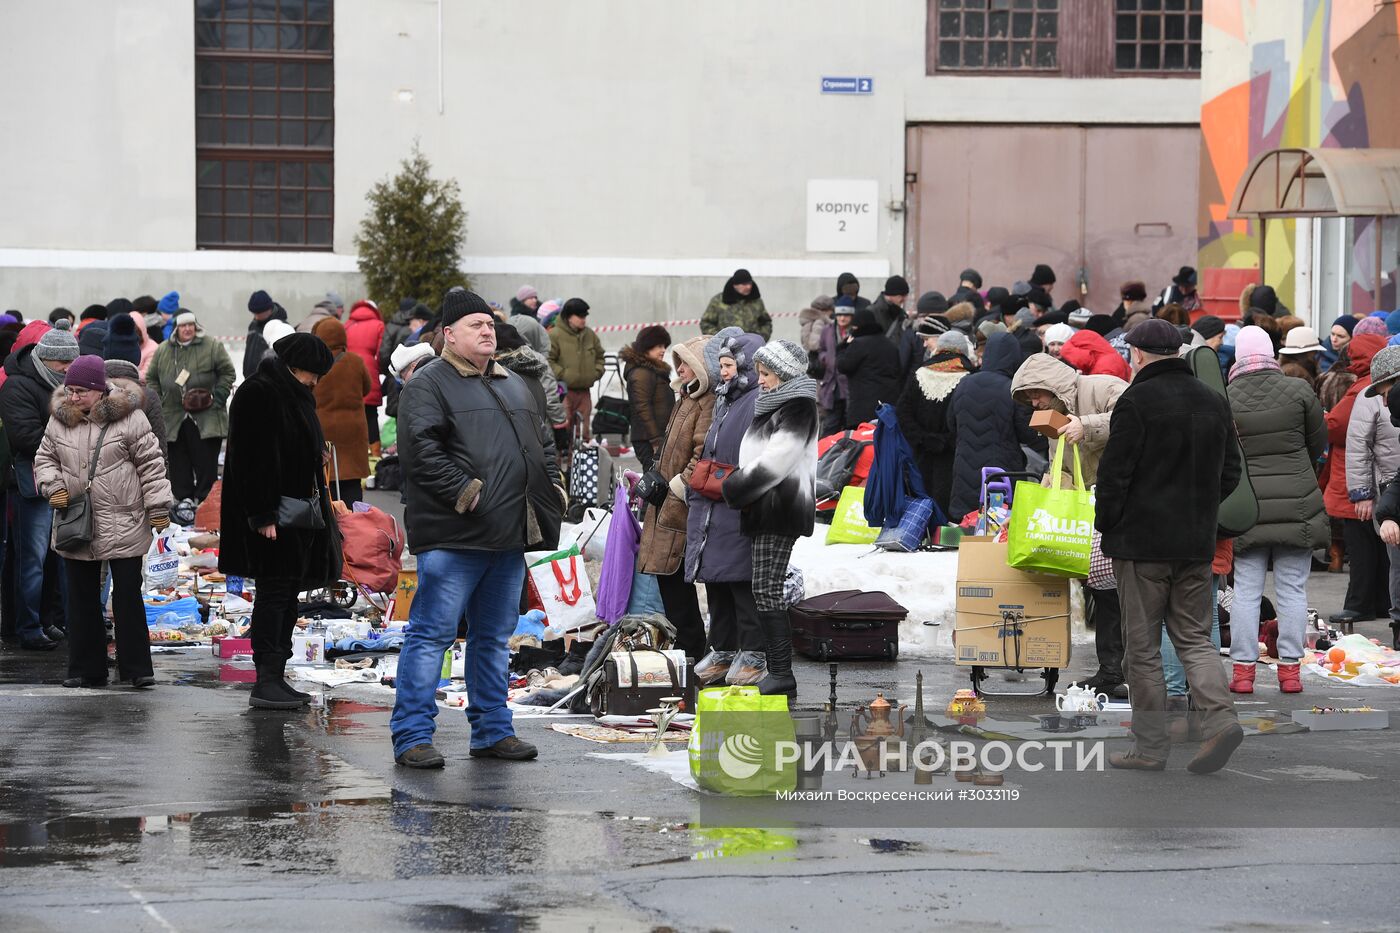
(411, 238)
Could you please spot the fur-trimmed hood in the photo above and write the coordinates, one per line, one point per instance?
(631, 357)
(523, 361)
(122, 400)
(692, 353)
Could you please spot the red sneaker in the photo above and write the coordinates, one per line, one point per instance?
(1243, 681)
(1289, 678)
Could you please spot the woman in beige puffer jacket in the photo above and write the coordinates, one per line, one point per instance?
(129, 495)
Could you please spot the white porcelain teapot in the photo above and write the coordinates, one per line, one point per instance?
(1077, 699)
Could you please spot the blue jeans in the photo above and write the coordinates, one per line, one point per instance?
(1171, 663)
(486, 586)
(30, 539)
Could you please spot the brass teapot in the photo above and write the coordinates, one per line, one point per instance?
(879, 734)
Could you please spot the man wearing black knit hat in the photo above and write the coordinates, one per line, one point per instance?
(888, 307)
(482, 486)
(263, 309)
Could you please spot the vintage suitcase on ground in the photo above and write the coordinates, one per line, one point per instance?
(630, 692)
(847, 624)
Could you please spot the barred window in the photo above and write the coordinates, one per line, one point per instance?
(264, 123)
(998, 35)
(1157, 35)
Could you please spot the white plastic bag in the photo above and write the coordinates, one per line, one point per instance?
(162, 564)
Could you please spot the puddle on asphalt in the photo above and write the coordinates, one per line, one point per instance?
(392, 835)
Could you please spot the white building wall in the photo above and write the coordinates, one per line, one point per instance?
(630, 152)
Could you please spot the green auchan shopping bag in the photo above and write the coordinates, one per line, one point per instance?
(389, 433)
(848, 522)
(734, 742)
(1051, 529)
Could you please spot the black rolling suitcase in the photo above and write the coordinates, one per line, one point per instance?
(847, 624)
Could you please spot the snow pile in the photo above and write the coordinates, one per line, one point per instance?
(924, 582)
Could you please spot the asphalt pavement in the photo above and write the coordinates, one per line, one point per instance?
(180, 808)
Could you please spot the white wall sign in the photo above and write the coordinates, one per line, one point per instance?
(842, 215)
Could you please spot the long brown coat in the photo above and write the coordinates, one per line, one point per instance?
(340, 403)
(130, 480)
(663, 532)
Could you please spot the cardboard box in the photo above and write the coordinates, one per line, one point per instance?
(1050, 423)
(1006, 617)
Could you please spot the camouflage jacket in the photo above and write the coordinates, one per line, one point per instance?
(750, 316)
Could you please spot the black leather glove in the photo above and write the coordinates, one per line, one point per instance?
(652, 488)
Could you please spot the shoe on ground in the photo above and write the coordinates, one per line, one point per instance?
(421, 756)
(54, 633)
(143, 682)
(1132, 761)
(269, 695)
(1118, 692)
(42, 643)
(1243, 679)
(510, 748)
(1347, 617)
(1104, 680)
(74, 682)
(1215, 751)
(1289, 677)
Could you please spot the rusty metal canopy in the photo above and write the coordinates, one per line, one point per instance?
(1320, 183)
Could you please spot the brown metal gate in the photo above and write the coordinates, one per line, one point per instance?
(1110, 203)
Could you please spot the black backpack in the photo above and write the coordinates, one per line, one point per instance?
(836, 467)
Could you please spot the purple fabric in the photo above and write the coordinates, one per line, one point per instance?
(619, 561)
(832, 381)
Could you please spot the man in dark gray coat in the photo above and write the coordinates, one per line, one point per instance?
(481, 485)
(1170, 461)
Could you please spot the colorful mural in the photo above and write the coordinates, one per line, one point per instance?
(1304, 73)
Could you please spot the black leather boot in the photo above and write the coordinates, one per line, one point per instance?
(268, 692)
(777, 634)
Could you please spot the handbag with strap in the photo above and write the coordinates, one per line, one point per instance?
(197, 400)
(708, 477)
(627, 688)
(305, 514)
(72, 527)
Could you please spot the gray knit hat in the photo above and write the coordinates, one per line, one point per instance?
(1385, 368)
(783, 358)
(58, 344)
(955, 341)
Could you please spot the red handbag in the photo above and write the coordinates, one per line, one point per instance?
(708, 476)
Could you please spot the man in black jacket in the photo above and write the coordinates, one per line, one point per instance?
(1171, 460)
(32, 374)
(263, 309)
(482, 487)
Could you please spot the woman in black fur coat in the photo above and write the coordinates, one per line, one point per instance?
(275, 451)
(774, 489)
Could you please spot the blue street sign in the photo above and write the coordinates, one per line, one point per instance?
(848, 85)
